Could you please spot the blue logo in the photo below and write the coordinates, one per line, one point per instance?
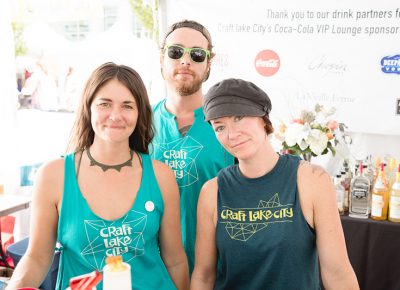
(391, 64)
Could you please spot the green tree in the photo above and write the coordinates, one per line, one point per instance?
(20, 46)
(147, 15)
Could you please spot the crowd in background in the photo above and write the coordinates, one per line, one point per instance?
(41, 88)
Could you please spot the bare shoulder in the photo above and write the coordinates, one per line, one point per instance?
(208, 193)
(315, 189)
(49, 181)
(210, 188)
(52, 171)
(207, 205)
(162, 171)
(312, 175)
(315, 185)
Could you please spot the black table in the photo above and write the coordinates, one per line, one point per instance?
(374, 252)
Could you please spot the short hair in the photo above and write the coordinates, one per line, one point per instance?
(82, 133)
(189, 24)
(193, 25)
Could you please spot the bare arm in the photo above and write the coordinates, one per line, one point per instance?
(34, 265)
(205, 269)
(171, 247)
(318, 199)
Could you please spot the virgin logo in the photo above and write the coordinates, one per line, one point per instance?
(267, 62)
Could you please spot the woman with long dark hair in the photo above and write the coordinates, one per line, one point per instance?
(106, 197)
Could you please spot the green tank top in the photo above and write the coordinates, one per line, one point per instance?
(263, 240)
(87, 239)
(194, 158)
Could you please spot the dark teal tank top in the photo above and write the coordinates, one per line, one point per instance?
(263, 239)
(87, 239)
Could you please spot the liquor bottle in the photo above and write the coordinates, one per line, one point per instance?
(391, 172)
(346, 181)
(394, 202)
(377, 167)
(368, 172)
(1, 188)
(359, 195)
(380, 196)
(339, 193)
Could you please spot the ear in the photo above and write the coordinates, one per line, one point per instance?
(162, 64)
(162, 73)
(208, 71)
(161, 58)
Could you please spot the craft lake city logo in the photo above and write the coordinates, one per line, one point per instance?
(180, 155)
(391, 64)
(120, 238)
(267, 63)
(242, 223)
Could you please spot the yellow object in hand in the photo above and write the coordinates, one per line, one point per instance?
(115, 263)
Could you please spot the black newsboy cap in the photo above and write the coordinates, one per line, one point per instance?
(235, 97)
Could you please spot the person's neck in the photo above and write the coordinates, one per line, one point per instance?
(260, 164)
(110, 153)
(181, 106)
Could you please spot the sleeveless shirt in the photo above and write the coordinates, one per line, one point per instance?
(87, 239)
(194, 158)
(263, 239)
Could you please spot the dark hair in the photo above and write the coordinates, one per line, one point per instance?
(189, 24)
(193, 25)
(268, 125)
(82, 134)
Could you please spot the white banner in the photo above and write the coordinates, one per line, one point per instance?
(339, 54)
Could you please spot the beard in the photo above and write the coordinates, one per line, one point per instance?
(189, 88)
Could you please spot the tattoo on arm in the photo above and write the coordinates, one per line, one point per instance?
(316, 169)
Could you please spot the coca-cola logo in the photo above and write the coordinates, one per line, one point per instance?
(267, 62)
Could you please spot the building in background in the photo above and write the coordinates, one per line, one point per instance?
(60, 37)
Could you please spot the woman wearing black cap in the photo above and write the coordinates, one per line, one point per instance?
(268, 220)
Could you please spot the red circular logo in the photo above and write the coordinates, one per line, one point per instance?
(267, 62)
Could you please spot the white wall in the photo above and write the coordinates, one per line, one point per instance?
(341, 70)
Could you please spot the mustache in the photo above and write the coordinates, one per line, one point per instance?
(186, 71)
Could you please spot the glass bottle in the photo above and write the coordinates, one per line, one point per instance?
(1, 187)
(380, 196)
(339, 193)
(359, 195)
(391, 172)
(346, 181)
(368, 172)
(376, 167)
(394, 202)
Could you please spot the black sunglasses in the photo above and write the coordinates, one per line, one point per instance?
(196, 54)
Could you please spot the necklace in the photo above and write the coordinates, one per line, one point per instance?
(105, 167)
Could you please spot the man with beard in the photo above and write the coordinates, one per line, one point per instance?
(183, 140)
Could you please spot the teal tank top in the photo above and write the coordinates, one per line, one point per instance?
(87, 239)
(263, 239)
(194, 158)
